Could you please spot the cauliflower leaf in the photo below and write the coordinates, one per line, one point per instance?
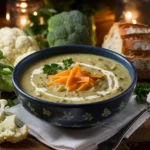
(5, 76)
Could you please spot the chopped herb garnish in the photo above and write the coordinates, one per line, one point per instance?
(67, 63)
(141, 91)
(53, 68)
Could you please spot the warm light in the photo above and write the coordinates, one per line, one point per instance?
(41, 20)
(7, 16)
(17, 5)
(23, 10)
(93, 27)
(134, 21)
(23, 5)
(23, 21)
(128, 15)
(35, 13)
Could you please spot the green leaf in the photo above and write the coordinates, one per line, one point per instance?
(38, 26)
(5, 75)
(43, 44)
(51, 69)
(10, 103)
(29, 30)
(6, 83)
(67, 63)
(142, 90)
(1, 55)
(4, 66)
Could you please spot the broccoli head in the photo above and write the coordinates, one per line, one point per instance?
(70, 28)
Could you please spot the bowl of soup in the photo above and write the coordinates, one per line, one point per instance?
(74, 85)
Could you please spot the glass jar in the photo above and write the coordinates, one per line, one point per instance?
(133, 11)
(18, 10)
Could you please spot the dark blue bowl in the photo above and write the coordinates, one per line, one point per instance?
(73, 115)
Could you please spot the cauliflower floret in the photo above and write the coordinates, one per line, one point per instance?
(3, 106)
(8, 129)
(14, 42)
(10, 132)
(19, 58)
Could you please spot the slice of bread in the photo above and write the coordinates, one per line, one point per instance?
(133, 42)
(142, 65)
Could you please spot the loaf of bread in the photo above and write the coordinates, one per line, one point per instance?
(132, 41)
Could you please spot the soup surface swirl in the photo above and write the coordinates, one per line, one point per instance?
(115, 79)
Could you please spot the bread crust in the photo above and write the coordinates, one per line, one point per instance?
(134, 44)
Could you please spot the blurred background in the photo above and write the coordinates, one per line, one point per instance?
(105, 13)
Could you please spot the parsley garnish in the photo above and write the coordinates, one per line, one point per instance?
(141, 91)
(53, 68)
(67, 63)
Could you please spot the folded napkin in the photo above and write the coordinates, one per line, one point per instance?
(80, 139)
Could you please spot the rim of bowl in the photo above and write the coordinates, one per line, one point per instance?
(133, 82)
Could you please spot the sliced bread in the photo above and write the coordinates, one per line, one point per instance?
(132, 41)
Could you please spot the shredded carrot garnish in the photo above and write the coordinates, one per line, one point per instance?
(84, 87)
(75, 79)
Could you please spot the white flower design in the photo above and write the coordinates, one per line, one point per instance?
(87, 116)
(67, 115)
(46, 112)
(106, 112)
(32, 109)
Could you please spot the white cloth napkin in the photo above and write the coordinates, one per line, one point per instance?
(80, 139)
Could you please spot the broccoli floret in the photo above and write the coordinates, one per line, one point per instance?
(70, 28)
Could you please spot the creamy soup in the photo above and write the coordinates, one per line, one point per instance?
(99, 79)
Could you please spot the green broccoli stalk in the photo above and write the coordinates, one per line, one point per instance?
(70, 28)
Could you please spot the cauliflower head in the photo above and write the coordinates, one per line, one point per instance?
(8, 128)
(70, 28)
(19, 58)
(14, 42)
